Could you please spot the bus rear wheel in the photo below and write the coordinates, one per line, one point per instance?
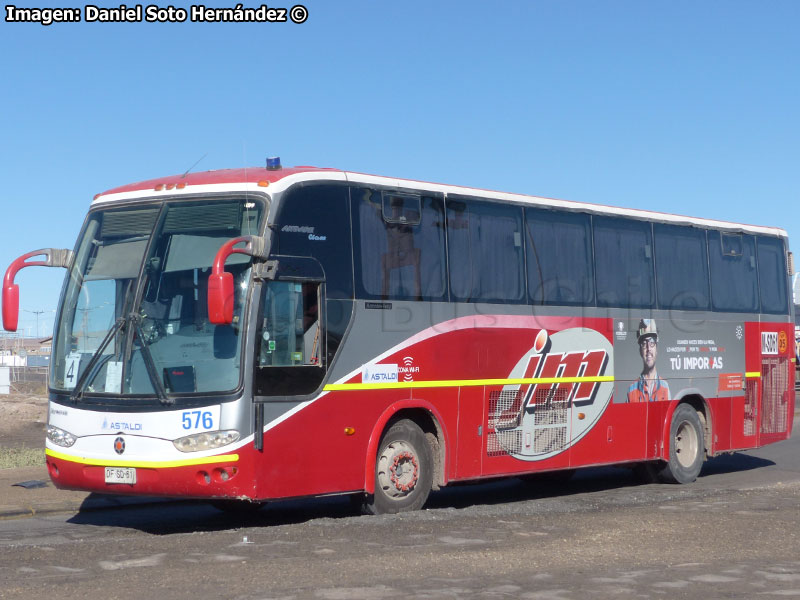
(403, 471)
(686, 447)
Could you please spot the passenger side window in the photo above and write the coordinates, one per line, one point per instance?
(624, 263)
(559, 250)
(682, 267)
(734, 280)
(772, 274)
(400, 248)
(486, 255)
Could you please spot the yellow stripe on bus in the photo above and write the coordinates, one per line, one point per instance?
(337, 387)
(752, 374)
(143, 464)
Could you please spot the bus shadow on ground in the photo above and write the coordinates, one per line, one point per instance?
(731, 463)
(166, 517)
(585, 481)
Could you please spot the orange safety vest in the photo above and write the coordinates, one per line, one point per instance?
(638, 391)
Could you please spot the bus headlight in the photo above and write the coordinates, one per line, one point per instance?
(206, 441)
(60, 437)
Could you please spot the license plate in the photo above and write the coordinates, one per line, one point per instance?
(121, 475)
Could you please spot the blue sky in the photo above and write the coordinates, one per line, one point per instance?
(682, 107)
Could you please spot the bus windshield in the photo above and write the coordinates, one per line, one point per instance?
(133, 317)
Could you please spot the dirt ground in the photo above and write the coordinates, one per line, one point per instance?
(23, 417)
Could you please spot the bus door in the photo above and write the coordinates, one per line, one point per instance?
(291, 360)
(290, 341)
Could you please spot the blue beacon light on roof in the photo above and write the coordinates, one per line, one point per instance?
(273, 163)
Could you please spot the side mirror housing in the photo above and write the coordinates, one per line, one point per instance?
(220, 283)
(53, 258)
(220, 298)
(10, 306)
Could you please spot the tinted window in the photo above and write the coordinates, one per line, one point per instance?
(559, 251)
(314, 220)
(401, 208)
(734, 281)
(772, 273)
(624, 262)
(290, 341)
(400, 254)
(486, 260)
(681, 267)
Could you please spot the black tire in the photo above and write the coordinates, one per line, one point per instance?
(686, 447)
(403, 471)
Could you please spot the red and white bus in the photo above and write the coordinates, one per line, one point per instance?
(272, 333)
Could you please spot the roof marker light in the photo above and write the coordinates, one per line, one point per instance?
(273, 163)
(263, 183)
(159, 187)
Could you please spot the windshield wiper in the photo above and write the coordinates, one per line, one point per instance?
(91, 368)
(94, 363)
(149, 363)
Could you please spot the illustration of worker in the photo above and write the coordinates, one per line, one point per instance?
(649, 387)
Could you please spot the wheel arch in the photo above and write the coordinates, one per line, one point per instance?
(428, 419)
(701, 405)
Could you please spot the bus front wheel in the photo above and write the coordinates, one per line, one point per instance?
(686, 447)
(403, 471)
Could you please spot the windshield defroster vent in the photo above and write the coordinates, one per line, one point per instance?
(213, 217)
(126, 223)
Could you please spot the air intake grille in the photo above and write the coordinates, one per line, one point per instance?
(547, 418)
(501, 443)
(750, 404)
(505, 409)
(775, 377)
(549, 439)
(551, 406)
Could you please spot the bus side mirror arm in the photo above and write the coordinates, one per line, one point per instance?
(266, 271)
(53, 258)
(220, 283)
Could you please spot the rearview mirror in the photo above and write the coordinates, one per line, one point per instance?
(220, 283)
(220, 298)
(53, 258)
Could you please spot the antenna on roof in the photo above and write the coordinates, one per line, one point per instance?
(194, 165)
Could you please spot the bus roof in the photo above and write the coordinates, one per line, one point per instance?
(262, 180)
